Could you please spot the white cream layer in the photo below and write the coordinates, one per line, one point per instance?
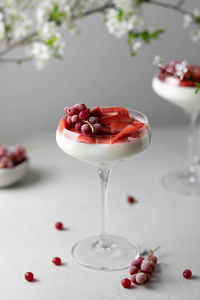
(102, 155)
(181, 96)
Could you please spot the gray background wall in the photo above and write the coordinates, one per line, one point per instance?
(97, 70)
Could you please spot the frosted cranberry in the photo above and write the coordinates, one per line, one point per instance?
(56, 261)
(69, 121)
(97, 128)
(2, 151)
(86, 129)
(93, 120)
(59, 225)
(130, 199)
(75, 119)
(146, 266)
(133, 270)
(78, 126)
(88, 110)
(140, 278)
(152, 265)
(83, 115)
(29, 276)
(140, 258)
(126, 283)
(66, 109)
(153, 258)
(135, 263)
(72, 111)
(133, 278)
(187, 273)
(80, 106)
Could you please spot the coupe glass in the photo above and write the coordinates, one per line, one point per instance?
(185, 181)
(105, 252)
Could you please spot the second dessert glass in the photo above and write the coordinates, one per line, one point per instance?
(106, 252)
(181, 92)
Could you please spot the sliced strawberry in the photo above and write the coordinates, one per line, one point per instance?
(83, 138)
(97, 111)
(111, 114)
(103, 139)
(128, 131)
(119, 110)
(62, 124)
(118, 126)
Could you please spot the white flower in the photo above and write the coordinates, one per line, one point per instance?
(126, 5)
(22, 28)
(181, 69)
(47, 30)
(158, 61)
(1, 16)
(195, 35)
(2, 31)
(187, 21)
(40, 53)
(137, 45)
(135, 23)
(43, 11)
(196, 12)
(114, 26)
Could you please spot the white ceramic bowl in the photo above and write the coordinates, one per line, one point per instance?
(9, 176)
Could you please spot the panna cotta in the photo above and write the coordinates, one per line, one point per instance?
(179, 91)
(111, 135)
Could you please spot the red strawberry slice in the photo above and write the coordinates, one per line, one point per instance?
(62, 124)
(128, 131)
(83, 138)
(103, 139)
(96, 111)
(111, 114)
(118, 126)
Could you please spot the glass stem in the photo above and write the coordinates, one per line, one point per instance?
(193, 145)
(104, 175)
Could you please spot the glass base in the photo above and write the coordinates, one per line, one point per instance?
(110, 253)
(182, 182)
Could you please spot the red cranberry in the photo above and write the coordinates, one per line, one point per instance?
(130, 199)
(153, 258)
(86, 129)
(97, 128)
(59, 225)
(187, 273)
(69, 121)
(29, 276)
(93, 120)
(75, 119)
(83, 115)
(80, 106)
(56, 261)
(126, 283)
(140, 258)
(78, 126)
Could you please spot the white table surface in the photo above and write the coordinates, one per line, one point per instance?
(59, 188)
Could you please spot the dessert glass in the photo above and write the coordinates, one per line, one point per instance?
(182, 94)
(105, 252)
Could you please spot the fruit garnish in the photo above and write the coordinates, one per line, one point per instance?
(130, 199)
(59, 225)
(29, 276)
(92, 128)
(129, 130)
(56, 261)
(126, 283)
(11, 158)
(187, 274)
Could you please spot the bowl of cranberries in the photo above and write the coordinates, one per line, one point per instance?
(13, 164)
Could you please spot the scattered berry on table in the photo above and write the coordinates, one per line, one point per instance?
(130, 199)
(29, 276)
(126, 283)
(187, 273)
(59, 225)
(56, 261)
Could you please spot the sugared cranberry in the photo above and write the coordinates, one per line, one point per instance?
(133, 278)
(2, 151)
(78, 126)
(153, 258)
(187, 273)
(140, 278)
(136, 263)
(59, 225)
(83, 115)
(86, 129)
(69, 121)
(97, 128)
(146, 266)
(29, 276)
(93, 120)
(56, 261)
(140, 258)
(130, 199)
(72, 111)
(66, 109)
(80, 106)
(133, 270)
(75, 119)
(126, 283)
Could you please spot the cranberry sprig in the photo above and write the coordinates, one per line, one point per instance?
(9, 159)
(79, 117)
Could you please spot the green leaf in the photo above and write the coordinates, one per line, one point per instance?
(198, 87)
(133, 54)
(120, 15)
(156, 33)
(142, 1)
(56, 15)
(197, 19)
(51, 40)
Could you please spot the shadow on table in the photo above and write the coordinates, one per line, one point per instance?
(33, 177)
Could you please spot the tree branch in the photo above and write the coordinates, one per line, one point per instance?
(15, 60)
(100, 9)
(177, 7)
